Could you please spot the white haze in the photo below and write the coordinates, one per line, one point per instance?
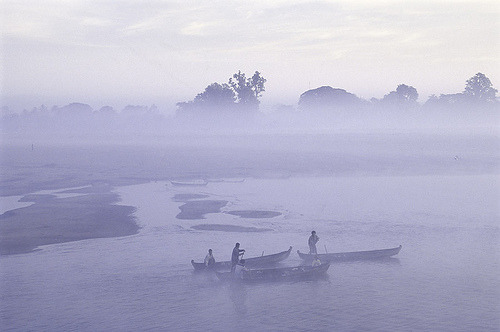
(114, 53)
(88, 95)
(80, 123)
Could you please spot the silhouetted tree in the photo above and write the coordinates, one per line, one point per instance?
(407, 93)
(479, 89)
(326, 97)
(216, 96)
(248, 90)
(404, 95)
(222, 97)
(453, 99)
(257, 83)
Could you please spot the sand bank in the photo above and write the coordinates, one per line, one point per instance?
(254, 214)
(230, 228)
(197, 209)
(188, 197)
(56, 220)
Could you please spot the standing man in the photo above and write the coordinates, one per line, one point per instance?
(313, 239)
(235, 257)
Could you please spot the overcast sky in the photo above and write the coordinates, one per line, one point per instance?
(160, 52)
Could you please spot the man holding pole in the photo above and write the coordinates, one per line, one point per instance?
(235, 256)
(313, 239)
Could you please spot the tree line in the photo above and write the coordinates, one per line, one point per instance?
(237, 101)
(242, 94)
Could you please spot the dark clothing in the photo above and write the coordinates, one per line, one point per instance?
(235, 257)
(313, 239)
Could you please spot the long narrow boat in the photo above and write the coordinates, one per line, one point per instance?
(259, 261)
(189, 183)
(353, 255)
(302, 272)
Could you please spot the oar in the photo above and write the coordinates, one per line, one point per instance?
(326, 250)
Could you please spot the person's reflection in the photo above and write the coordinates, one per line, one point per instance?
(238, 295)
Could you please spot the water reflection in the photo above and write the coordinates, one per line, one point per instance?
(238, 295)
(379, 261)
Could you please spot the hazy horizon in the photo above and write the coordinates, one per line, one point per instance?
(119, 54)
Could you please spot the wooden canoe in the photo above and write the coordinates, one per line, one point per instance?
(352, 256)
(259, 261)
(295, 273)
(190, 183)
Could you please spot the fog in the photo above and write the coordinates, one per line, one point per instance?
(136, 136)
(80, 123)
(103, 210)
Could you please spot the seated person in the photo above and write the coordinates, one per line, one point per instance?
(209, 258)
(316, 261)
(240, 267)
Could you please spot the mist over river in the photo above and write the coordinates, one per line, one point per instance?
(446, 277)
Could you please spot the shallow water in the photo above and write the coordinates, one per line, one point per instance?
(446, 277)
(8, 203)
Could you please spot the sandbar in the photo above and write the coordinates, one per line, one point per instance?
(53, 220)
(230, 228)
(197, 209)
(254, 214)
(188, 197)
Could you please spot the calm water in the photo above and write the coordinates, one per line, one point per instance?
(446, 277)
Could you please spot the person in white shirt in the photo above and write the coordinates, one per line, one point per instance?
(209, 258)
(240, 267)
(316, 261)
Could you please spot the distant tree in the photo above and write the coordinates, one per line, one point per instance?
(223, 97)
(404, 95)
(216, 96)
(242, 88)
(248, 90)
(326, 97)
(257, 84)
(479, 89)
(453, 99)
(75, 109)
(407, 93)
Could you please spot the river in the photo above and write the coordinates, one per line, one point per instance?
(446, 277)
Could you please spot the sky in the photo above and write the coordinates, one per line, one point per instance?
(161, 52)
